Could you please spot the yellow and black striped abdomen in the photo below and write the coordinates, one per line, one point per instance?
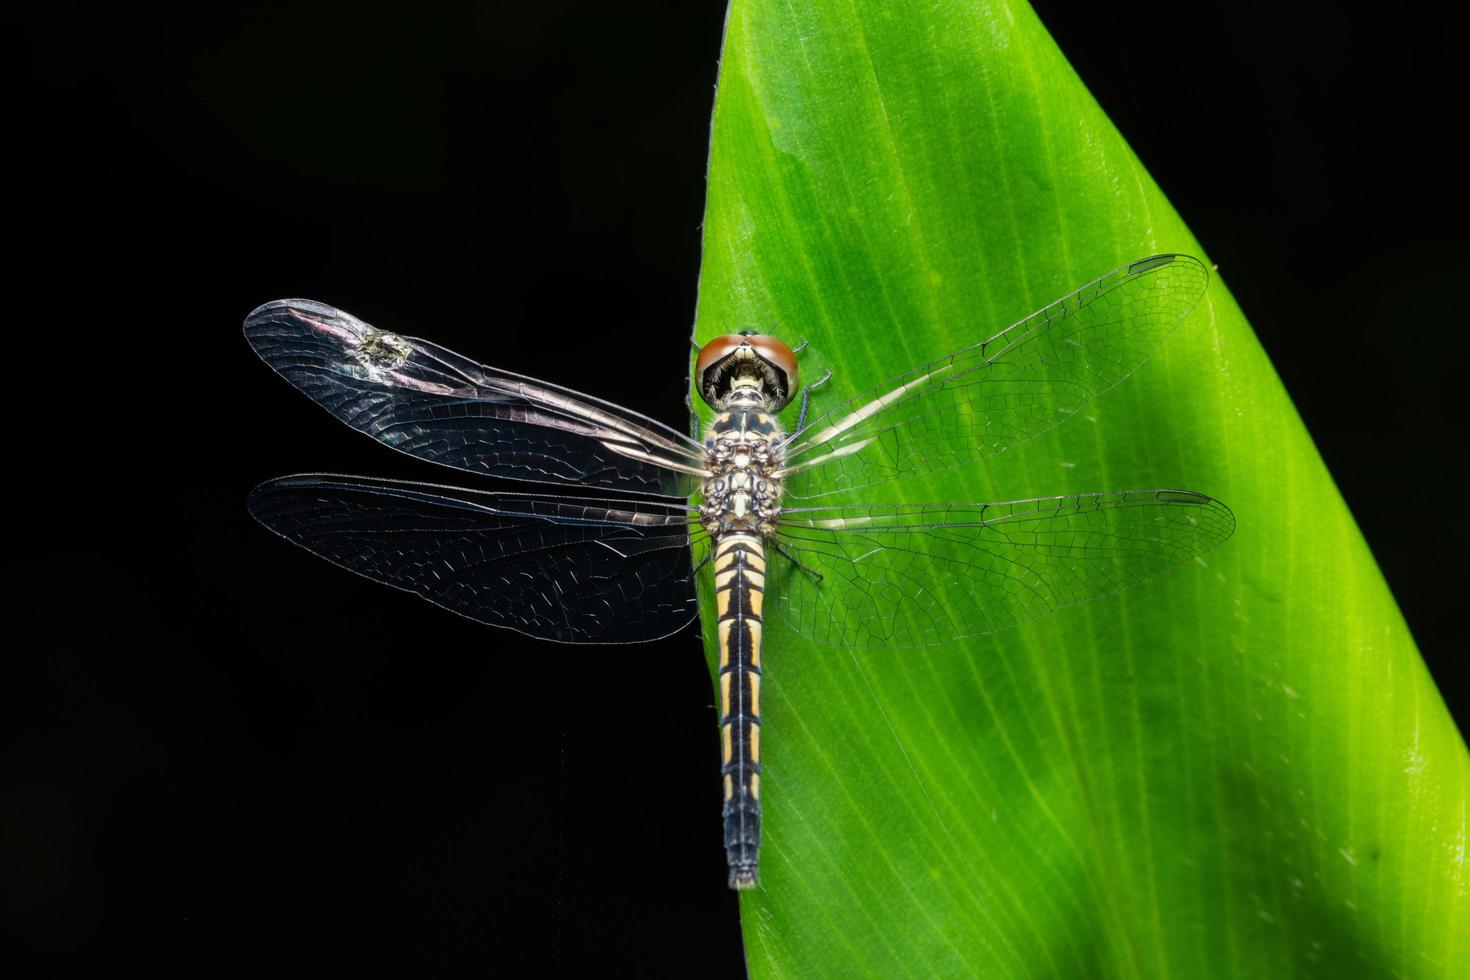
(740, 583)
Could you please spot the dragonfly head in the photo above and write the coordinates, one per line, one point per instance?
(747, 360)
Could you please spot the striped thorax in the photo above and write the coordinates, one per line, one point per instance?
(743, 455)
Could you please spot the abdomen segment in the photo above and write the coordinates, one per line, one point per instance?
(740, 579)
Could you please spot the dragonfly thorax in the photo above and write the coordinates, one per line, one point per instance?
(743, 455)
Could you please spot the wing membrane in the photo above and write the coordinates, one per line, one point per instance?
(997, 394)
(432, 403)
(916, 575)
(575, 571)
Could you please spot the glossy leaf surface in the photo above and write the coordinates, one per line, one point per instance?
(1238, 769)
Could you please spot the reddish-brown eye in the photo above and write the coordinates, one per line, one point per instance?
(714, 352)
(720, 358)
(778, 355)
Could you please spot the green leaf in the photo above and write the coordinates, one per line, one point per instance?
(1238, 769)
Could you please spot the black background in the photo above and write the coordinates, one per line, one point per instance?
(220, 756)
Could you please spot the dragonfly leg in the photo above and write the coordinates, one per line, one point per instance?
(703, 562)
(776, 546)
(806, 398)
(693, 417)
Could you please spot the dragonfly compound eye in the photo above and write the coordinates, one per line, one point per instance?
(725, 358)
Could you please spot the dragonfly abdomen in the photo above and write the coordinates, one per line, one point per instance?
(740, 580)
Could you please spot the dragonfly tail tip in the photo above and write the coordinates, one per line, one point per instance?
(743, 878)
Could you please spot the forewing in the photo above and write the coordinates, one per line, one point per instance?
(574, 571)
(916, 575)
(432, 403)
(997, 394)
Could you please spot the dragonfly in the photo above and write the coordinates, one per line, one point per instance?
(771, 520)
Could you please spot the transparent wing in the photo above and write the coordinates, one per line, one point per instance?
(434, 404)
(575, 571)
(917, 575)
(987, 398)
